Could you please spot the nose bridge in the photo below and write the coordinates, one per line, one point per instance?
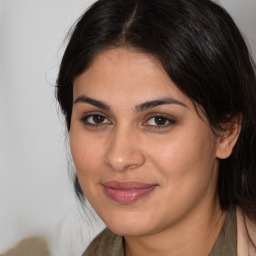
(123, 150)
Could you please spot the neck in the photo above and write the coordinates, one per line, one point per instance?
(195, 236)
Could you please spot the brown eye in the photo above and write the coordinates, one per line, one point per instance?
(97, 119)
(159, 121)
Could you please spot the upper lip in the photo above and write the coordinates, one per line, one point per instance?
(127, 184)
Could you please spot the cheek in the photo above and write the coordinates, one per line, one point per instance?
(184, 159)
(86, 154)
(185, 167)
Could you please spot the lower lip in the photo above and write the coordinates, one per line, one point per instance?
(127, 196)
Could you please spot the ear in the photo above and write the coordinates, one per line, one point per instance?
(228, 137)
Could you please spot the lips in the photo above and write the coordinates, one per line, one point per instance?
(127, 192)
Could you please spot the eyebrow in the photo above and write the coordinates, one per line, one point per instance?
(154, 103)
(96, 103)
(139, 108)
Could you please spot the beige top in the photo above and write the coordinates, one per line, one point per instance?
(33, 246)
(237, 238)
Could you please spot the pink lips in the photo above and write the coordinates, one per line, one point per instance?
(127, 192)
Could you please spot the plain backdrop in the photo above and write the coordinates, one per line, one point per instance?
(36, 195)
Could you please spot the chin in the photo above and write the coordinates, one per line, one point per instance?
(128, 226)
(128, 231)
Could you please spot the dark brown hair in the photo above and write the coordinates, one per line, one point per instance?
(202, 51)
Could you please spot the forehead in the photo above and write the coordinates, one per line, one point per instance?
(122, 73)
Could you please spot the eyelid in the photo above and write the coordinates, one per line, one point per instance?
(86, 116)
(171, 121)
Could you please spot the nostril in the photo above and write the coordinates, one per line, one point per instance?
(123, 150)
(131, 166)
(127, 161)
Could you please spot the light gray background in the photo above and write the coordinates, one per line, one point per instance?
(36, 196)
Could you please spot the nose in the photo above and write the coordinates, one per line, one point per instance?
(124, 151)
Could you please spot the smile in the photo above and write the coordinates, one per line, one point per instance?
(127, 192)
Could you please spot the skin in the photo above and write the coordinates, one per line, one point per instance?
(179, 153)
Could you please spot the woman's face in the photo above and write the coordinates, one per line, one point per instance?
(145, 159)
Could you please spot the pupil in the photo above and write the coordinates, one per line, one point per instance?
(160, 120)
(98, 119)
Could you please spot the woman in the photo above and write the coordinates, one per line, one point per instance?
(159, 98)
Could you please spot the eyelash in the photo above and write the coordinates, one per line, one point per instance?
(85, 120)
(164, 118)
(167, 120)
